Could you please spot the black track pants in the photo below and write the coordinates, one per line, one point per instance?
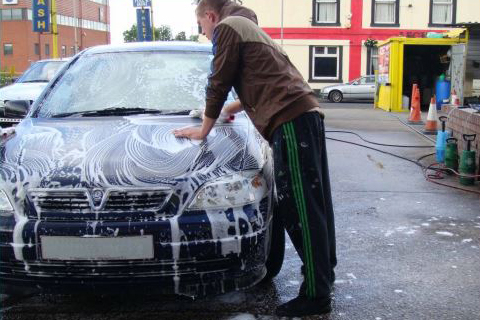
(304, 199)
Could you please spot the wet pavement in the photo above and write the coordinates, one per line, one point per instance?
(407, 248)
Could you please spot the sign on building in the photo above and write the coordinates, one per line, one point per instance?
(142, 3)
(144, 27)
(10, 2)
(41, 16)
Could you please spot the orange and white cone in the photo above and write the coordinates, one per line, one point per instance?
(431, 125)
(415, 115)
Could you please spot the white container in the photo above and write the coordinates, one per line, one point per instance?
(405, 102)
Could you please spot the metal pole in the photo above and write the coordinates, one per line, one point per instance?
(281, 27)
(75, 24)
(54, 29)
(153, 26)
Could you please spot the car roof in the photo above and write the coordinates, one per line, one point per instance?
(151, 46)
(54, 60)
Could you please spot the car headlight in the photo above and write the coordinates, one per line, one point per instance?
(231, 191)
(6, 208)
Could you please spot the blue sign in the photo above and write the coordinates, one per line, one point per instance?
(144, 27)
(41, 16)
(142, 3)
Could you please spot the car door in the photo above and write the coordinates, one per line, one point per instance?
(366, 87)
(351, 91)
(370, 87)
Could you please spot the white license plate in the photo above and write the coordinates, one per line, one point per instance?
(93, 248)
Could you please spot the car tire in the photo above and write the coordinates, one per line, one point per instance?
(335, 96)
(277, 248)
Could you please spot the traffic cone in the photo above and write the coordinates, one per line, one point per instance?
(431, 124)
(415, 115)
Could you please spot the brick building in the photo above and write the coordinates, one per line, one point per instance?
(81, 24)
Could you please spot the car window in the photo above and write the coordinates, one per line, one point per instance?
(370, 80)
(42, 71)
(165, 81)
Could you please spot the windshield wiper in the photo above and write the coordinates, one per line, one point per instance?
(32, 81)
(118, 111)
(176, 113)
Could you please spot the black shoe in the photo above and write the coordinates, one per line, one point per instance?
(302, 306)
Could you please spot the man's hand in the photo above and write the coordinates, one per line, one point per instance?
(197, 133)
(190, 133)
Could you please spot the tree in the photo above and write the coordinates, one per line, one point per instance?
(194, 38)
(181, 36)
(130, 35)
(164, 33)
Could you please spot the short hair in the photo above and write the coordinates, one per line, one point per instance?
(214, 5)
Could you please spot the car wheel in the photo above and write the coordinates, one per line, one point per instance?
(277, 248)
(336, 96)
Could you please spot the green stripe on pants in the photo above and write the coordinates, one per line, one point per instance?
(296, 176)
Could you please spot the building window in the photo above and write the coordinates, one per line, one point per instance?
(17, 14)
(64, 51)
(372, 60)
(47, 49)
(72, 50)
(385, 13)
(6, 14)
(36, 49)
(325, 64)
(326, 12)
(442, 12)
(7, 49)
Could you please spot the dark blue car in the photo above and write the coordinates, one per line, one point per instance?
(97, 193)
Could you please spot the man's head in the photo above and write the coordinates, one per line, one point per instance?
(208, 15)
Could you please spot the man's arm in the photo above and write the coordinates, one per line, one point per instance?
(197, 133)
(226, 46)
(233, 107)
(200, 133)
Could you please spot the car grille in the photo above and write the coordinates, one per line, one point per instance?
(82, 205)
(130, 269)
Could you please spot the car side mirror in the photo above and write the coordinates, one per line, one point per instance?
(17, 108)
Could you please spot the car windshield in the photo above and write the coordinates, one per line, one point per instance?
(42, 71)
(162, 80)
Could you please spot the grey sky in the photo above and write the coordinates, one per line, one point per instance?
(178, 14)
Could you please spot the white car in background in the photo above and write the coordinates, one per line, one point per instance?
(362, 88)
(33, 81)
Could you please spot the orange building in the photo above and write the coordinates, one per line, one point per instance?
(81, 24)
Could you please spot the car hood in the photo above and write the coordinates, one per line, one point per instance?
(22, 91)
(136, 151)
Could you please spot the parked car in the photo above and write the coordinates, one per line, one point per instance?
(362, 88)
(96, 193)
(33, 81)
(28, 86)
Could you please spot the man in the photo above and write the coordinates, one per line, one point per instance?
(284, 110)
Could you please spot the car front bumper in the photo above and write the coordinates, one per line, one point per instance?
(200, 264)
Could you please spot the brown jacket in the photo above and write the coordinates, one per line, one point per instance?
(272, 91)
